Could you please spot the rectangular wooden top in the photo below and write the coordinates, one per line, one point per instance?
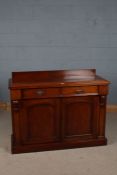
(55, 78)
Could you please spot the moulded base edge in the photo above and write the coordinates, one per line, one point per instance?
(56, 146)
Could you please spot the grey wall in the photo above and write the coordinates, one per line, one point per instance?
(58, 34)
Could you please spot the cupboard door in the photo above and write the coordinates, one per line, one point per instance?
(80, 117)
(40, 121)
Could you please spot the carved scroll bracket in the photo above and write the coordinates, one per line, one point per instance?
(102, 100)
(16, 105)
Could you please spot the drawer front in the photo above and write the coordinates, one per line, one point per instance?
(40, 93)
(80, 90)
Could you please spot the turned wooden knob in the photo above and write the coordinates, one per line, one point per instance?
(40, 92)
(79, 91)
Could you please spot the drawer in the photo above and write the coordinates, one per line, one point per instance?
(80, 90)
(40, 93)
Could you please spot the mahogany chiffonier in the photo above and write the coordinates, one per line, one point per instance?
(57, 109)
